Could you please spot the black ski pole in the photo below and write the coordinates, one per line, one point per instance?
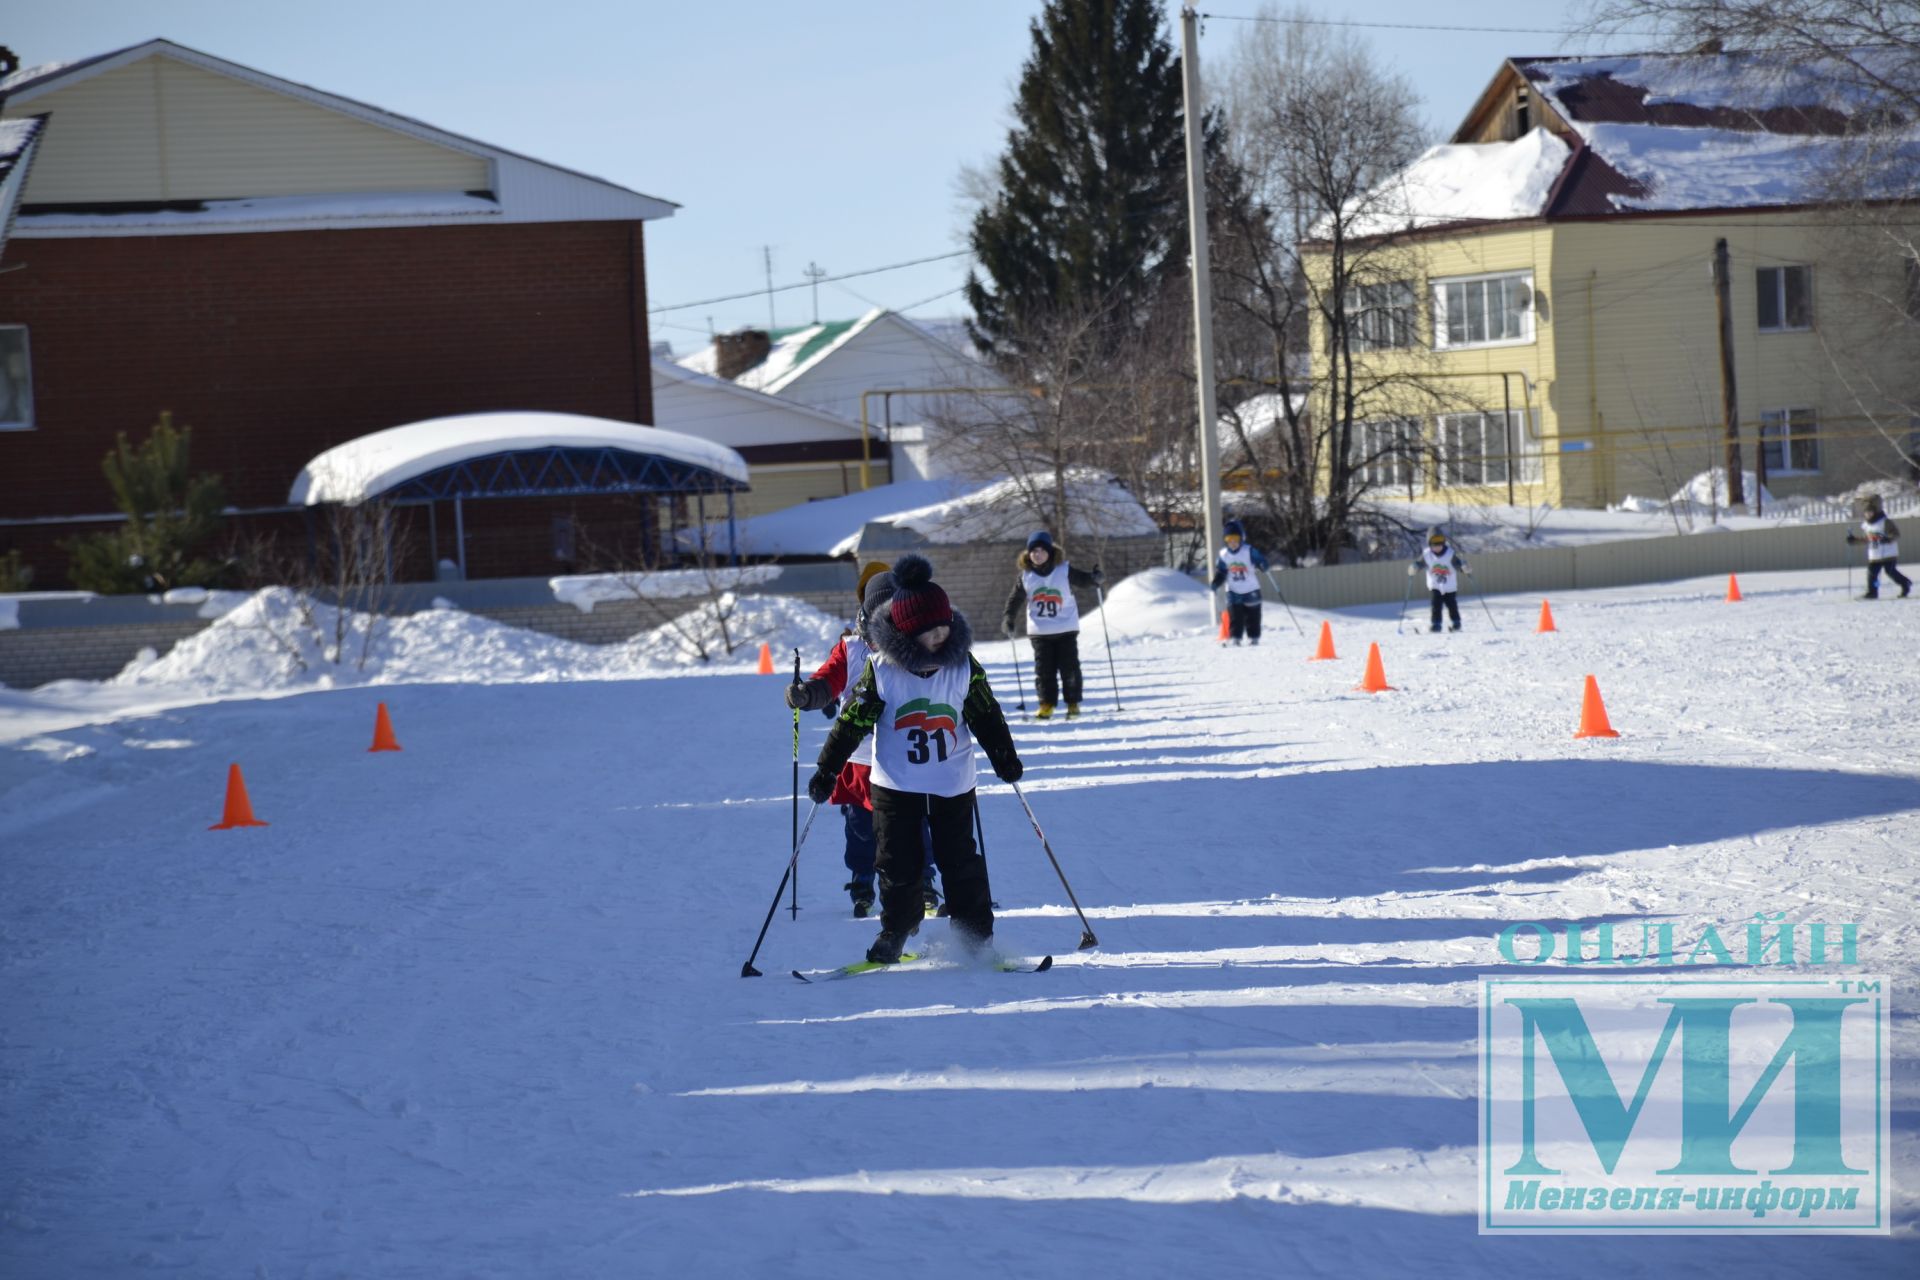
(1399, 628)
(1020, 681)
(1283, 602)
(1086, 930)
(1101, 596)
(796, 787)
(1483, 599)
(747, 970)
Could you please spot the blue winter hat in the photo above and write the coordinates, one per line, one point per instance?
(1041, 538)
(1234, 529)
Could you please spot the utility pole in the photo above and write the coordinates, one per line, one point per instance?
(766, 252)
(815, 274)
(1729, 395)
(1194, 109)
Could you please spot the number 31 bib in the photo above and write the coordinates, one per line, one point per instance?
(921, 743)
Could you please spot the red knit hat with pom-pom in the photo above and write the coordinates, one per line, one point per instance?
(918, 602)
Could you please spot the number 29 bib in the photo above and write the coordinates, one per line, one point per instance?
(921, 743)
(1051, 608)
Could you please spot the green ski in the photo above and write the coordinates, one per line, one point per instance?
(869, 966)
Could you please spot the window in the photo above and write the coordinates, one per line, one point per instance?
(1789, 441)
(1483, 311)
(1477, 449)
(1386, 455)
(1381, 316)
(1786, 298)
(16, 380)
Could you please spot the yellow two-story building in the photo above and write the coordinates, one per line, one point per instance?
(1539, 315)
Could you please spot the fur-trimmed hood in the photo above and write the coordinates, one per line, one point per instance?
(906, 652)
(1025, 562)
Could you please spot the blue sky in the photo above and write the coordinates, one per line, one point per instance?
(831, 133)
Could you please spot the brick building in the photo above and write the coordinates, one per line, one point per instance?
(284, 270)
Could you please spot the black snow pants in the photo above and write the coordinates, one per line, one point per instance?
(900, 856)
(1243, 616)
(1451, 600)
(1891, 568)
(1056, 667)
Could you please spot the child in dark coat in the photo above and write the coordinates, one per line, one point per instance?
(1238, 569)
(925, 699)
(1046, 586)
(822, 692)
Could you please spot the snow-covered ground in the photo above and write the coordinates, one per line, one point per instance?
(474, 1008)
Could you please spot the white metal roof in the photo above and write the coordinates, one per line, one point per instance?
(372, 464)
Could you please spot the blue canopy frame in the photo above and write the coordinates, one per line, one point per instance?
(561, 471)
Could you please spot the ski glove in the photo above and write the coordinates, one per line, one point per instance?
(1009, 769)
(1006, 628)
(1097, 576)
(1851, 539)
(1412, 569)
(797, 695)
(832, 708)
(819, 786)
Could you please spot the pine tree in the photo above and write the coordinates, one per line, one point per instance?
(169, 512)
(1091, 206)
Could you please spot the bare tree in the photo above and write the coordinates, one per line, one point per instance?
(1321, 130)
(343, 591)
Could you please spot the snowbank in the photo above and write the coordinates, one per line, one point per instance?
(1158, 602)
(275, 642)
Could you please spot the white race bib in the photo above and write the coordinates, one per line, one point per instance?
(921, 743)
(1051, 608)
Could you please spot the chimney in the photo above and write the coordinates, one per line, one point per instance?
(741, 351)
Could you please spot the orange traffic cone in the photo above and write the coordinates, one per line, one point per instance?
(383, 739)
(1375, 680)
(766, 658)
(1226, 628)
(1546, 620)
(1733, 590)
(1325, 652)
(1593, 714)
(239, 811)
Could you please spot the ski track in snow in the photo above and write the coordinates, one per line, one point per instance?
(474, 1008)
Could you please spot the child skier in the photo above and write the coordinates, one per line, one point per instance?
(1046, 586)
(1239, 567)
(1443, 565)
(822, 692)
(924, 698)
(1882, 537)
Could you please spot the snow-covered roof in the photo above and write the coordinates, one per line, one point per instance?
(18, 141)
(1670, 132)
(995, 512)
(792, 352)
(372, 464)
(1463, 182)
(278, 210)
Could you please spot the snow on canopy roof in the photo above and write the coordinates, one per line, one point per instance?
(1707, 131)
(372, 464)
(1462, 182)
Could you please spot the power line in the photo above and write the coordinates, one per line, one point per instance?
(849, 275)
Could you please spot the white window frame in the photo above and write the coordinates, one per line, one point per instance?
(1777, 285)
(1797, 421)
(1443, 340)
(1384, 316)
(26, 362)
(1519, 455)
(1402, 471)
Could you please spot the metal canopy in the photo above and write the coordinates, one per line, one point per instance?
(559, 472)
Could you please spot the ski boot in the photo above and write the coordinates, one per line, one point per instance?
(1073, 711)
(930, 897)
(886, 948)
(1045, 712)
(862, 898)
